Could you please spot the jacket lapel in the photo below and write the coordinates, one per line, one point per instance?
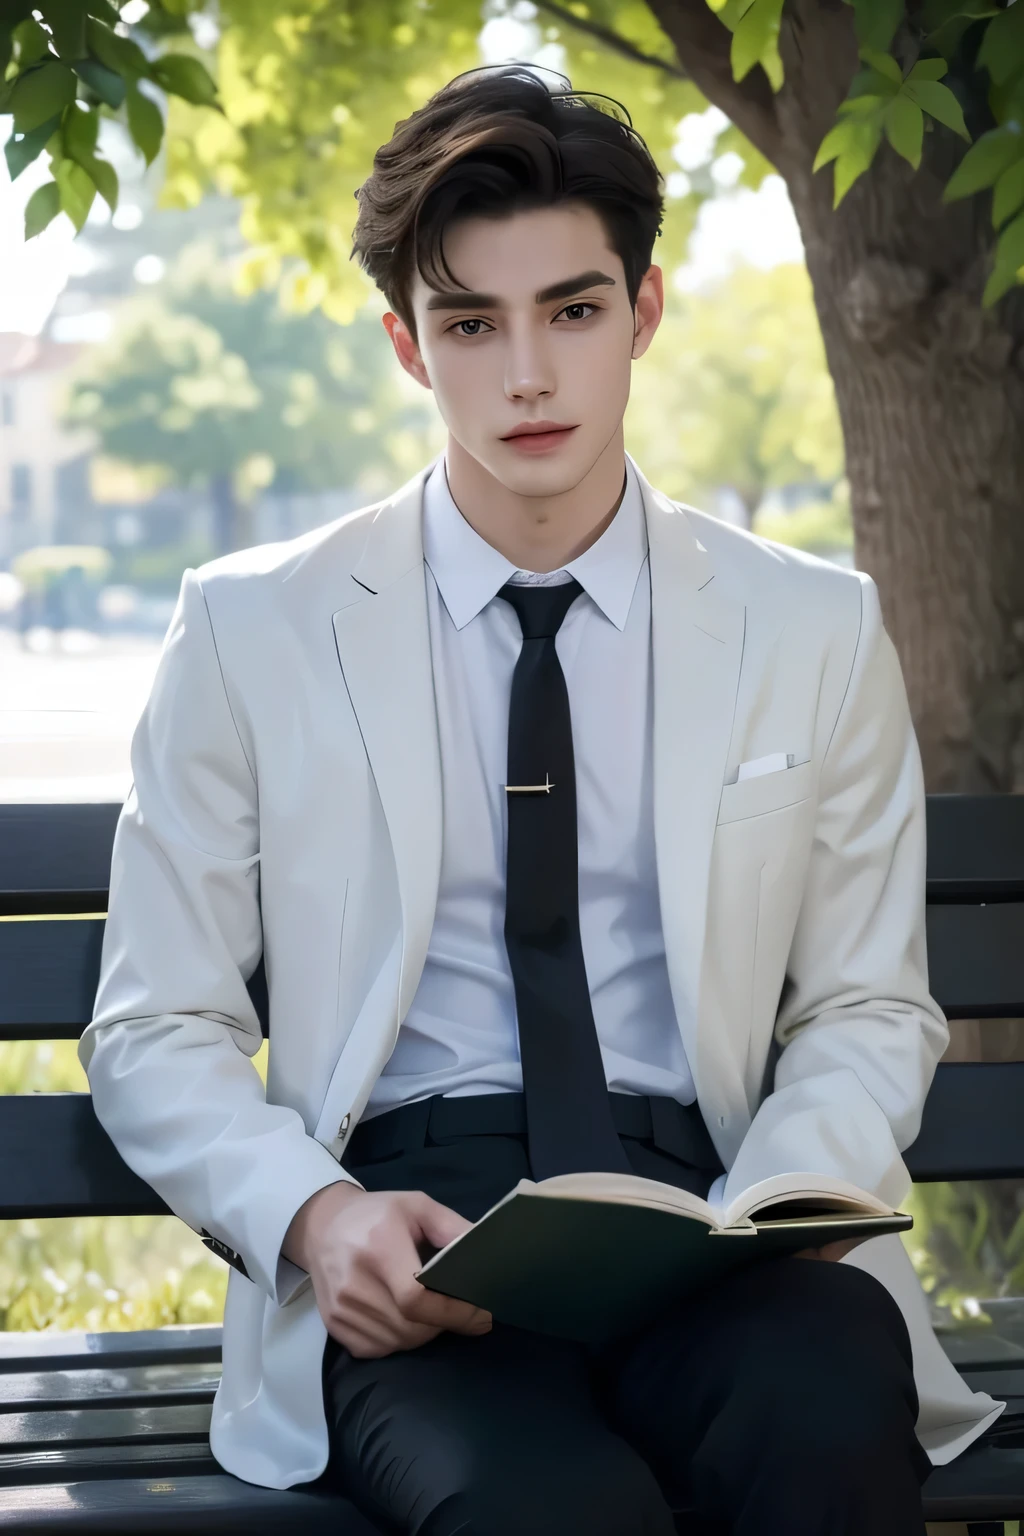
(383, 644)
(697, 645)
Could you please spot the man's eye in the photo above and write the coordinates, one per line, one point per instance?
(459, 323)
(572, 310)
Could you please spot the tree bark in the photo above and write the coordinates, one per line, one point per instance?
(930, 389)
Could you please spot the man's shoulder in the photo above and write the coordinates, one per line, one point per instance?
(295, 567)
(759, 571)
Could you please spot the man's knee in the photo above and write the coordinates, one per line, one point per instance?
(611, 1493)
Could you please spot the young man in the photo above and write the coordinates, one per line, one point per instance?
(575, 830)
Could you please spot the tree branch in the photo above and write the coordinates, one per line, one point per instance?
(702, 45)
(610, 39)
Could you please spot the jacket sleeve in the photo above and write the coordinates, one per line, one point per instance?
(860, 1035)
(168, 1052)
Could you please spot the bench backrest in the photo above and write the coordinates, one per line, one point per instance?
(54, 870)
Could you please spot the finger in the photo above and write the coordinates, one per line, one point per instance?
(436, 1223)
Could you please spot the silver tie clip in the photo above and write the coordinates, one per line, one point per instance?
(530, 789)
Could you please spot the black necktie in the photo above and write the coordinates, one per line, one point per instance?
(568, 1111)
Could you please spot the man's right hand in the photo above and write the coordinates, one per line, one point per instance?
(360, 1251)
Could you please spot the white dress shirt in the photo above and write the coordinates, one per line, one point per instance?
(460, 1036)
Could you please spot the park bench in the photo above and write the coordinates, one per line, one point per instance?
(106, 1433)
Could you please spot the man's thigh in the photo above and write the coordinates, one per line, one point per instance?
(482, 1437)
(794, 1360)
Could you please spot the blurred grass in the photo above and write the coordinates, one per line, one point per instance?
(98, 1272)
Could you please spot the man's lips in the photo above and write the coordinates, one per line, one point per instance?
(537, 439)
(538, 429)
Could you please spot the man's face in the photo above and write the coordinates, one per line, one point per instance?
(545, 333)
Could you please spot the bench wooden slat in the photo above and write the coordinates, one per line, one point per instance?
(976, 959)
(50, 969)
(973, 1127)
(60, 1464)
(38, 1429)
(132, 1387)
(975, 847)
(59, 1161)
(56, 847)
(176, 1344)
(207, 1502)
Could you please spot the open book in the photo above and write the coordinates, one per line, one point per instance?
(589, 1256)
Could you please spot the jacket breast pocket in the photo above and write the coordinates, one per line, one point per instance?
(765, 792)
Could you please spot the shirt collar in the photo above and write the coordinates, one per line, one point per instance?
(469, 572)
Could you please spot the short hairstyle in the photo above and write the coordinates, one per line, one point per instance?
(493, 142)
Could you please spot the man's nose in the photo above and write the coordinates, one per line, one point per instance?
(528, 370)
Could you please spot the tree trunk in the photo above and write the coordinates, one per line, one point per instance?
(930, 389)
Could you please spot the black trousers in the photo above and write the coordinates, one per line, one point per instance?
(782, 1403)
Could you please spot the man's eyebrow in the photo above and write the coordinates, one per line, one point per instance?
(456, 299)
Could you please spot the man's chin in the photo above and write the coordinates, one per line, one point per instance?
(547, 475)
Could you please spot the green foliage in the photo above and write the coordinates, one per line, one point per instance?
(900, 95)
(735, 394)
(98, 1272)
(820, 527)
(310, 91)
(213, 385)
(61, 68)
(967, 1244)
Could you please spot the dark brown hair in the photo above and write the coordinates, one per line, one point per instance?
(492, 142)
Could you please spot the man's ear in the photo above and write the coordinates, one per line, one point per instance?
(406, 349)
(648, 310)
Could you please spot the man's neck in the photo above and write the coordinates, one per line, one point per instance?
(538, 533)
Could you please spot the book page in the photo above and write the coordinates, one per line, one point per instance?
(813, 1192)
(622, 1189)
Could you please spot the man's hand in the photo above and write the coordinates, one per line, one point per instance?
(832, 1252)
(360, 1251)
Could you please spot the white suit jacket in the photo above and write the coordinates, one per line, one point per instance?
(287, 799)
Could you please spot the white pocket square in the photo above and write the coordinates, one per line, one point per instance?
(770, 764)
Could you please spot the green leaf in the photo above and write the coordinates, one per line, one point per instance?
(985, 162)
(939, 102)
(999, 283)
(861, 106)
(884, 63)
(77, 191)
(1008, 196)
(904, 128)
(181, 75)
(66, 20)
(755, 41)
(105, 178)
(107, 84)
(145, 123)
(41, 94)
(1002, 47)
(876, 21)
(835, 143)
(81, 131)
(118, 53)
(869, 82)
(851, 144)
(928, 69)
(33, 42)
(42, 208)
(21, 152)
(1010, 245)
